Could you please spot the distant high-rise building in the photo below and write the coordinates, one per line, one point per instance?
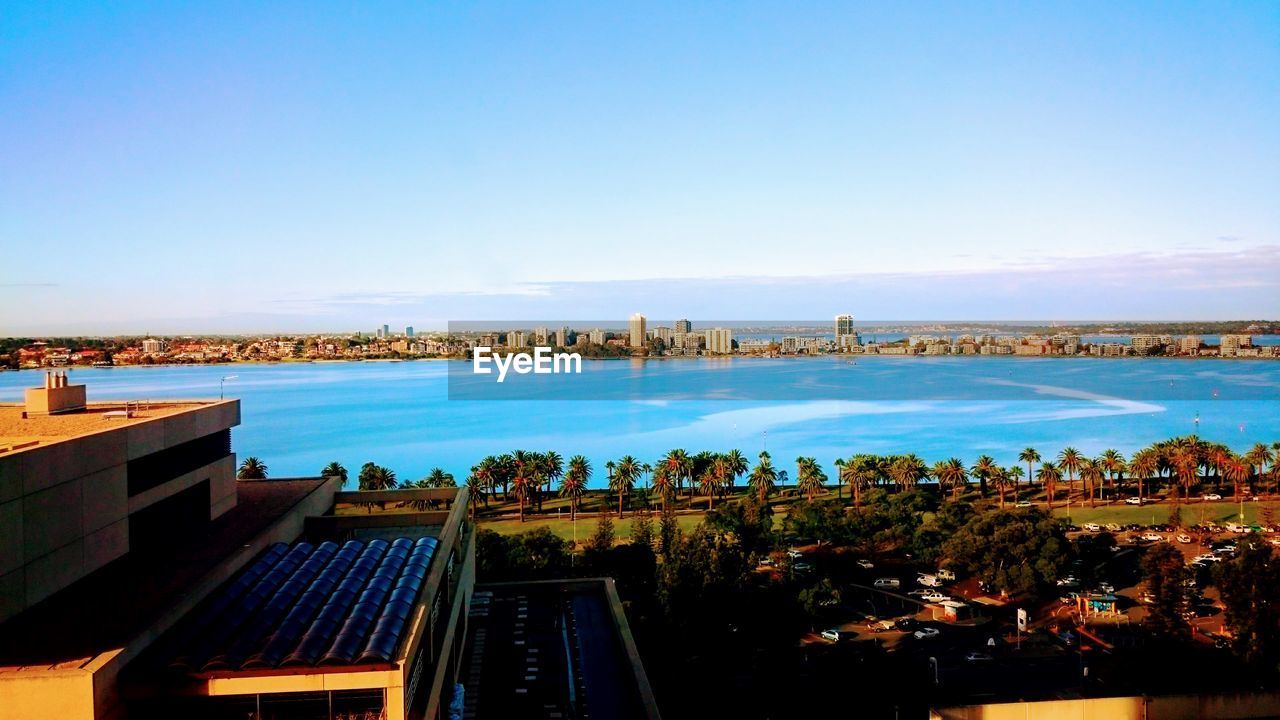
(663, 333)
(597, 337)
(408, 331)
(719, 341)
(683, 326)
(541, 335)
(637, 331)
(386, 330)
(152, 346)
(846, 336)
(562, 337)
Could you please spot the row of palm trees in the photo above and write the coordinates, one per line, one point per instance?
(1179, 463)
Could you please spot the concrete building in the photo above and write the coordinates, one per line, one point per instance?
(683, 326)
(719, 341)
(597, 336)
(663, 333)
(562, 337)
(153, 346)
(1147, 344)
(408, 331)
(1230, 345)
(81, 484)
(1189, 345)
(140, 579)
(637, 336)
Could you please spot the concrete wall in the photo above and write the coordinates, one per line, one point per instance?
(64, 506)
(1230, 706)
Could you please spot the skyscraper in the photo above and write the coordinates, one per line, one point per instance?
(637, 330)
(408, 331)
(846, 336)
(719, 341)
(683, 326)
(386, 330)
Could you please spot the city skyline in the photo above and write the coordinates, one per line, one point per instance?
(297, 169)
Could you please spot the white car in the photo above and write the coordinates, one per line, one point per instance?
(1134, 501)
(794, 554)
(1207, 558)
(890, 583)
(1153, 537)
(1107, 588)
(919, 592)
(1211, 497)
(1092, 527)
(1023, 504)
(831, 634)
(865, 564)
(1185, 539)
(928, 580)
(934, 596)
(927, 633)
(1237, 528)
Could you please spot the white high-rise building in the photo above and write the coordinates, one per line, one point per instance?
(846, 336)
(597, 337)
(683, 326)
(719, 341)
(637, 331)
(562, 337)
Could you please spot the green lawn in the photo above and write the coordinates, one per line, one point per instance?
(563, 527)
(1193, 513)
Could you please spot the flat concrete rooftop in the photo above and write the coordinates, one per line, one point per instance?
(106, 610)
(18, 433)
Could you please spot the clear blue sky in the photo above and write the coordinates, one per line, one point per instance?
(239, 167)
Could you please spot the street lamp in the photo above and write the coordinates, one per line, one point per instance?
(222, 380)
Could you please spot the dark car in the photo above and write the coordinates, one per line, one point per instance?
(906, 623)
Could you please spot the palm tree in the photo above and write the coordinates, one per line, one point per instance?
(908, 470)
(438, 478)
(335, 469)
(252, 469)
(1185, 464)
(1091, 474)
(524, 482)
(736, 465)
(1113, 462)
(573, 484)
(1069, 460)
(679, 467)
(552, 467)
(951, 473)
(712, 478)
(481, 479)
(1001, 478)
(1015, 474)
(1029, 456)
(1259, 456)
(1143, 466)
(1237, 471)
(1049, 476)
(475, 491)
(986, 469)
(384, 478)
(809, 476)
(663, 483)
(624, 478)
(763, 479)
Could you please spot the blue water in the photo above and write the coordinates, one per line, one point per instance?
(299, 417)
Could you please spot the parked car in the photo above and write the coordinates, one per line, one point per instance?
(803, 567)
(1070, 581)
(831, 634)
(919, 592)
(877, 625)
(794, 554)
(946, 574)
(1207, 558)
(934, 596)
(1185, 539)
(927, 633)
(1113, 527)
(928, 580)
(1237, 528)
(887, 583)
(1023, 504)
(1212, 497)
(978, 657)
(1107, 588)
(1228, 549)
(1092, 527)
(906, 623)
(1133, 501)
(1153, 537)
(865, 564)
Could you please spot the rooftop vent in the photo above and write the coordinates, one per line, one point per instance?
(56, 397)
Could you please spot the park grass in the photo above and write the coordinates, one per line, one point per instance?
(563, 526)
(1193, 513)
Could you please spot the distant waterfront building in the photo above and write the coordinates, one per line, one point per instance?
(1231, 345)
(1146, 344)
(719, 341)
(541, 335)
(683, 326)
(562, 337)
(596, 336)
(754, 346)
(663, 333)
(408, 331)
(637, 334)
(517, 338)
(846, 336)
(1189, 345)
(152, 346)
(386, 330)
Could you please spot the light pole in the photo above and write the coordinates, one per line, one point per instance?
(222, 380)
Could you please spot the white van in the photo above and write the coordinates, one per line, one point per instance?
(887, 583)
(946, 574)
(928, 580)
